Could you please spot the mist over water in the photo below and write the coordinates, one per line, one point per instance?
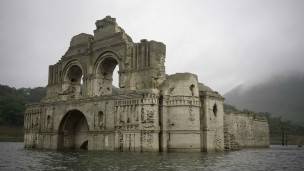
(14, 157)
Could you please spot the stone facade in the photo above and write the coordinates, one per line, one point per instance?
(151, 111)
(245, 130)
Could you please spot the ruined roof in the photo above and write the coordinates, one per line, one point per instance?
(203, 87)
(82, 38)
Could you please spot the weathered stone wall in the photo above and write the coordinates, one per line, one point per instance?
(247, 130)
(141, 65)
(151, 111)
(181, 113)
(212, 113)
(114, 123)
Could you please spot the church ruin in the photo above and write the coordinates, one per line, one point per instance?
(150, 111)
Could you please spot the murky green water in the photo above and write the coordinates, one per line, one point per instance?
(14, 157)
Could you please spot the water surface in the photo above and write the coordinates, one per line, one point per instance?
(14, 157)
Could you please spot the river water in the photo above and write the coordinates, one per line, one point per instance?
(14, 157)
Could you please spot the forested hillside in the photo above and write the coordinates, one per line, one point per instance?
(12, 103)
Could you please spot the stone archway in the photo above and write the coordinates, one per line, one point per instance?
(104, 69)
(73, 81)
(73, 131)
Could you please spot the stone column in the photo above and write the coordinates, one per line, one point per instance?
(164, 128)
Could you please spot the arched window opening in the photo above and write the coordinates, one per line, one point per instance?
(75, 75)
(107, 71)
(107, 67)
(48, 120)
(192, 89)
(100, 119)
(215, 109)
(74, 81)
(81, 80)
(115, 77)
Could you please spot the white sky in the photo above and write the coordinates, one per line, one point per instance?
(226, 43)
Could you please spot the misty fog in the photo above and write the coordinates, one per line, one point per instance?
(226, 43)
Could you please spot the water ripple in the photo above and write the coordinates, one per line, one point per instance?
(14, 157)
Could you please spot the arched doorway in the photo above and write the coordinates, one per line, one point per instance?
(73, 131)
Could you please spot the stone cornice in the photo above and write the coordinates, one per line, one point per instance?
(214, 95)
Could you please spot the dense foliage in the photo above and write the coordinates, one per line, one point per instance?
(12, 103)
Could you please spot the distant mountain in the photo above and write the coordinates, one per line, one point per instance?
(281, 96)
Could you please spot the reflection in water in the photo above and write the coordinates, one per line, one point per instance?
(14, 157)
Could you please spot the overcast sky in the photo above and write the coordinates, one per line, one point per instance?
(226, 43)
